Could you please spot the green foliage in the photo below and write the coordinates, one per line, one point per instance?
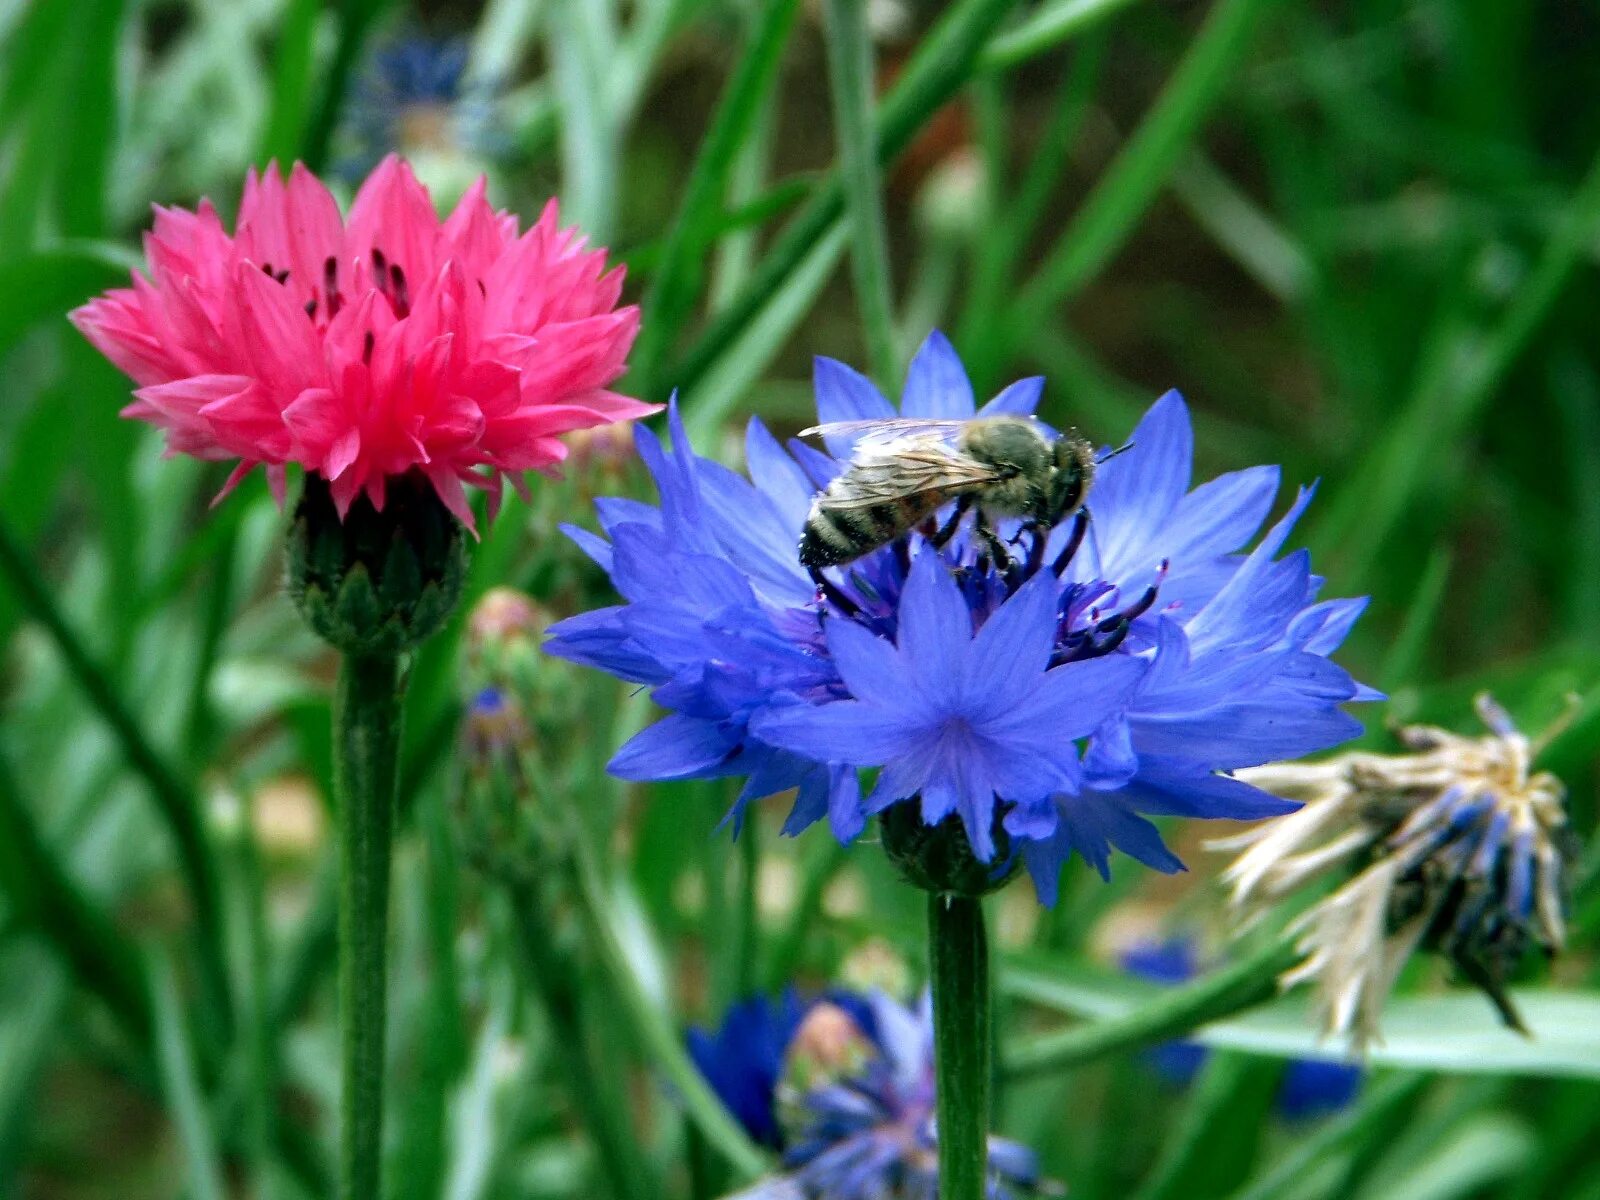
(1360, 238)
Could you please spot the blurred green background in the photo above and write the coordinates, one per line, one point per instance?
(1360, 237)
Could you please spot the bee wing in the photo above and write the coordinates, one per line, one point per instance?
(883, 431)
(912, 470)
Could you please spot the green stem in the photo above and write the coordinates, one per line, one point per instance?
(366, 721)
(850, 73)
(959, 953)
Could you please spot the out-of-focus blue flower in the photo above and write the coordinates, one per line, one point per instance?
(413, 96)
(861, 1133)
(743, 1057)
(1115, 672)
(1309, 1087)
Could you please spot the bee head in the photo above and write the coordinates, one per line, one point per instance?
(1069, 480)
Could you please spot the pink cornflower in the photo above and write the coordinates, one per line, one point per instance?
(365, 348)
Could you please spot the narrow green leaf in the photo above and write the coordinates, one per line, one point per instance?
(1452, 393)
(729, 378)
(942, 63)
(672, 288)
(291, 81)
(1047, 27)
(1125, 190)
(850, 72)
(184, 1093)
(1456, 1032)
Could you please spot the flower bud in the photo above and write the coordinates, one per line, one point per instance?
(375, 582)
(939, 858)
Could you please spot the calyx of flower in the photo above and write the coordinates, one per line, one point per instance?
(938, 858)
(376, 582)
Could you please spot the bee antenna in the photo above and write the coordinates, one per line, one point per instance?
(1110, 454)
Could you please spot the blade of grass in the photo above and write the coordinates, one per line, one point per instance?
(291, 80)
(181, 1085)
(850, 69)
(175, 800)
(356, 20)
(728, 380)
(42, 894)
(1127, 188)
(1004, 240)
(655, 1031)
(1452, 394)
(941, 64)
(1403, 663)
(1375, 1113)
(1250, 237)
(91, 119)
(673, 286)
(1046, 28)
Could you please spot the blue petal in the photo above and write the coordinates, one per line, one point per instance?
(845, 394)
(935, 632)
(1021, 399)
(869, 666)
(776, 474)
(937, 386)
(617, 510)
(675, 747)
(1322, 628)
(1135, 492)
(1013, 648)
(593, 545)
(846, 731)
(1072, 700)
(1166, 787)
(1220, 516)
(1244, 734)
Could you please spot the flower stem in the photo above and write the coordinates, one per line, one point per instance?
(366, 719)
(959, 952)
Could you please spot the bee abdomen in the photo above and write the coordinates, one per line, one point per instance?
(833, 536)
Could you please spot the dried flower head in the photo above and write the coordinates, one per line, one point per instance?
(1457, 844)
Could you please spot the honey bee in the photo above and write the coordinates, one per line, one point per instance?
(905, 469)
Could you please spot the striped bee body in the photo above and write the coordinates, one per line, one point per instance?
(836, 534)
(903, 470)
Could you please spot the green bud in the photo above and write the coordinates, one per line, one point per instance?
(938, 858)
(376, 582)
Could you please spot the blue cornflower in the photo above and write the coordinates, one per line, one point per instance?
(1114, 671)
(843, 1086)
(1309, 1087)
(743, 1058)
(414, 96)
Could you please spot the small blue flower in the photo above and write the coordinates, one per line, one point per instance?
(1117, 671)
(743, 1058)
(1309, 1087)
(413, 95)
(858, 1134)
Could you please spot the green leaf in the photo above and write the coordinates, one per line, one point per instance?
(1456, 1032)
(181, 1084)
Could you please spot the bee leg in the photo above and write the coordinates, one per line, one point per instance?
(1041, 536)
(948, 530)
(826, 590)
(997, 548)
